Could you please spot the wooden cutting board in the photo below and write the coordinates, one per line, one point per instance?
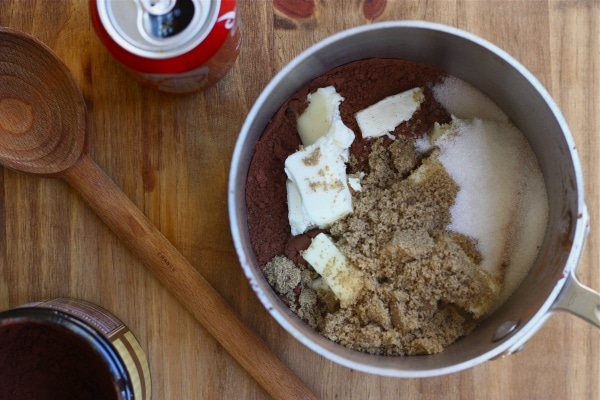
(171, 156)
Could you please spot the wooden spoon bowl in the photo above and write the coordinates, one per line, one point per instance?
(42, 112)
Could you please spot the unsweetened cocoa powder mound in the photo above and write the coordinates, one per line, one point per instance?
(361, 84)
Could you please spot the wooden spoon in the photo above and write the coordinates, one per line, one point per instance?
(42, 131)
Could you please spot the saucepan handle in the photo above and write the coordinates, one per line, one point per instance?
(577, 298)
(580, 300)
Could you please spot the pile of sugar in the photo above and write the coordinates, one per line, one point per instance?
(464, 101)
(502, 202)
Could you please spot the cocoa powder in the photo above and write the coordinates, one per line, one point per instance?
(43, 361)
(361, 83)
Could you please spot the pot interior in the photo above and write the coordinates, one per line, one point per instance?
(531, 109)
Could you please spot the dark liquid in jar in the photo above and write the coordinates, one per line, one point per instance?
(43, 361)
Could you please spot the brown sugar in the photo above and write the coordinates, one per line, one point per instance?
(295, 283)
(423, 287)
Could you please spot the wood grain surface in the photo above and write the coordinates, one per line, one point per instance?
(171, 156)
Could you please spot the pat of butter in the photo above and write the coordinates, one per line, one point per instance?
(322, 110)
(479, 310)
(354, 181)
(317, 186)
(384, 116)
(299, 221)
(318, 192)
(438, 131)
(344, 280)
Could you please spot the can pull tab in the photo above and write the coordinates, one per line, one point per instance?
(158, 7)
(166, 18)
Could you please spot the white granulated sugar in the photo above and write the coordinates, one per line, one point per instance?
(479, 156)
(502, 202)
(465, 101)
(422, 144)
(528, 230)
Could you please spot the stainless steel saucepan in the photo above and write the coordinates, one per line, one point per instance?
(550, 286)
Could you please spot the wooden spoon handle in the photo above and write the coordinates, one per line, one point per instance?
(184, 281)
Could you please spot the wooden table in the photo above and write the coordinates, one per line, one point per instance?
(171, 156)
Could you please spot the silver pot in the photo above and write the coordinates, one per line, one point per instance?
(551, 285)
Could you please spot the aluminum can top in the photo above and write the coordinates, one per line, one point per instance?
(158, 29)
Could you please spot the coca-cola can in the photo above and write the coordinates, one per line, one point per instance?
(176, 46)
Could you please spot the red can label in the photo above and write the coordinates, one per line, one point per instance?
(192, 59)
